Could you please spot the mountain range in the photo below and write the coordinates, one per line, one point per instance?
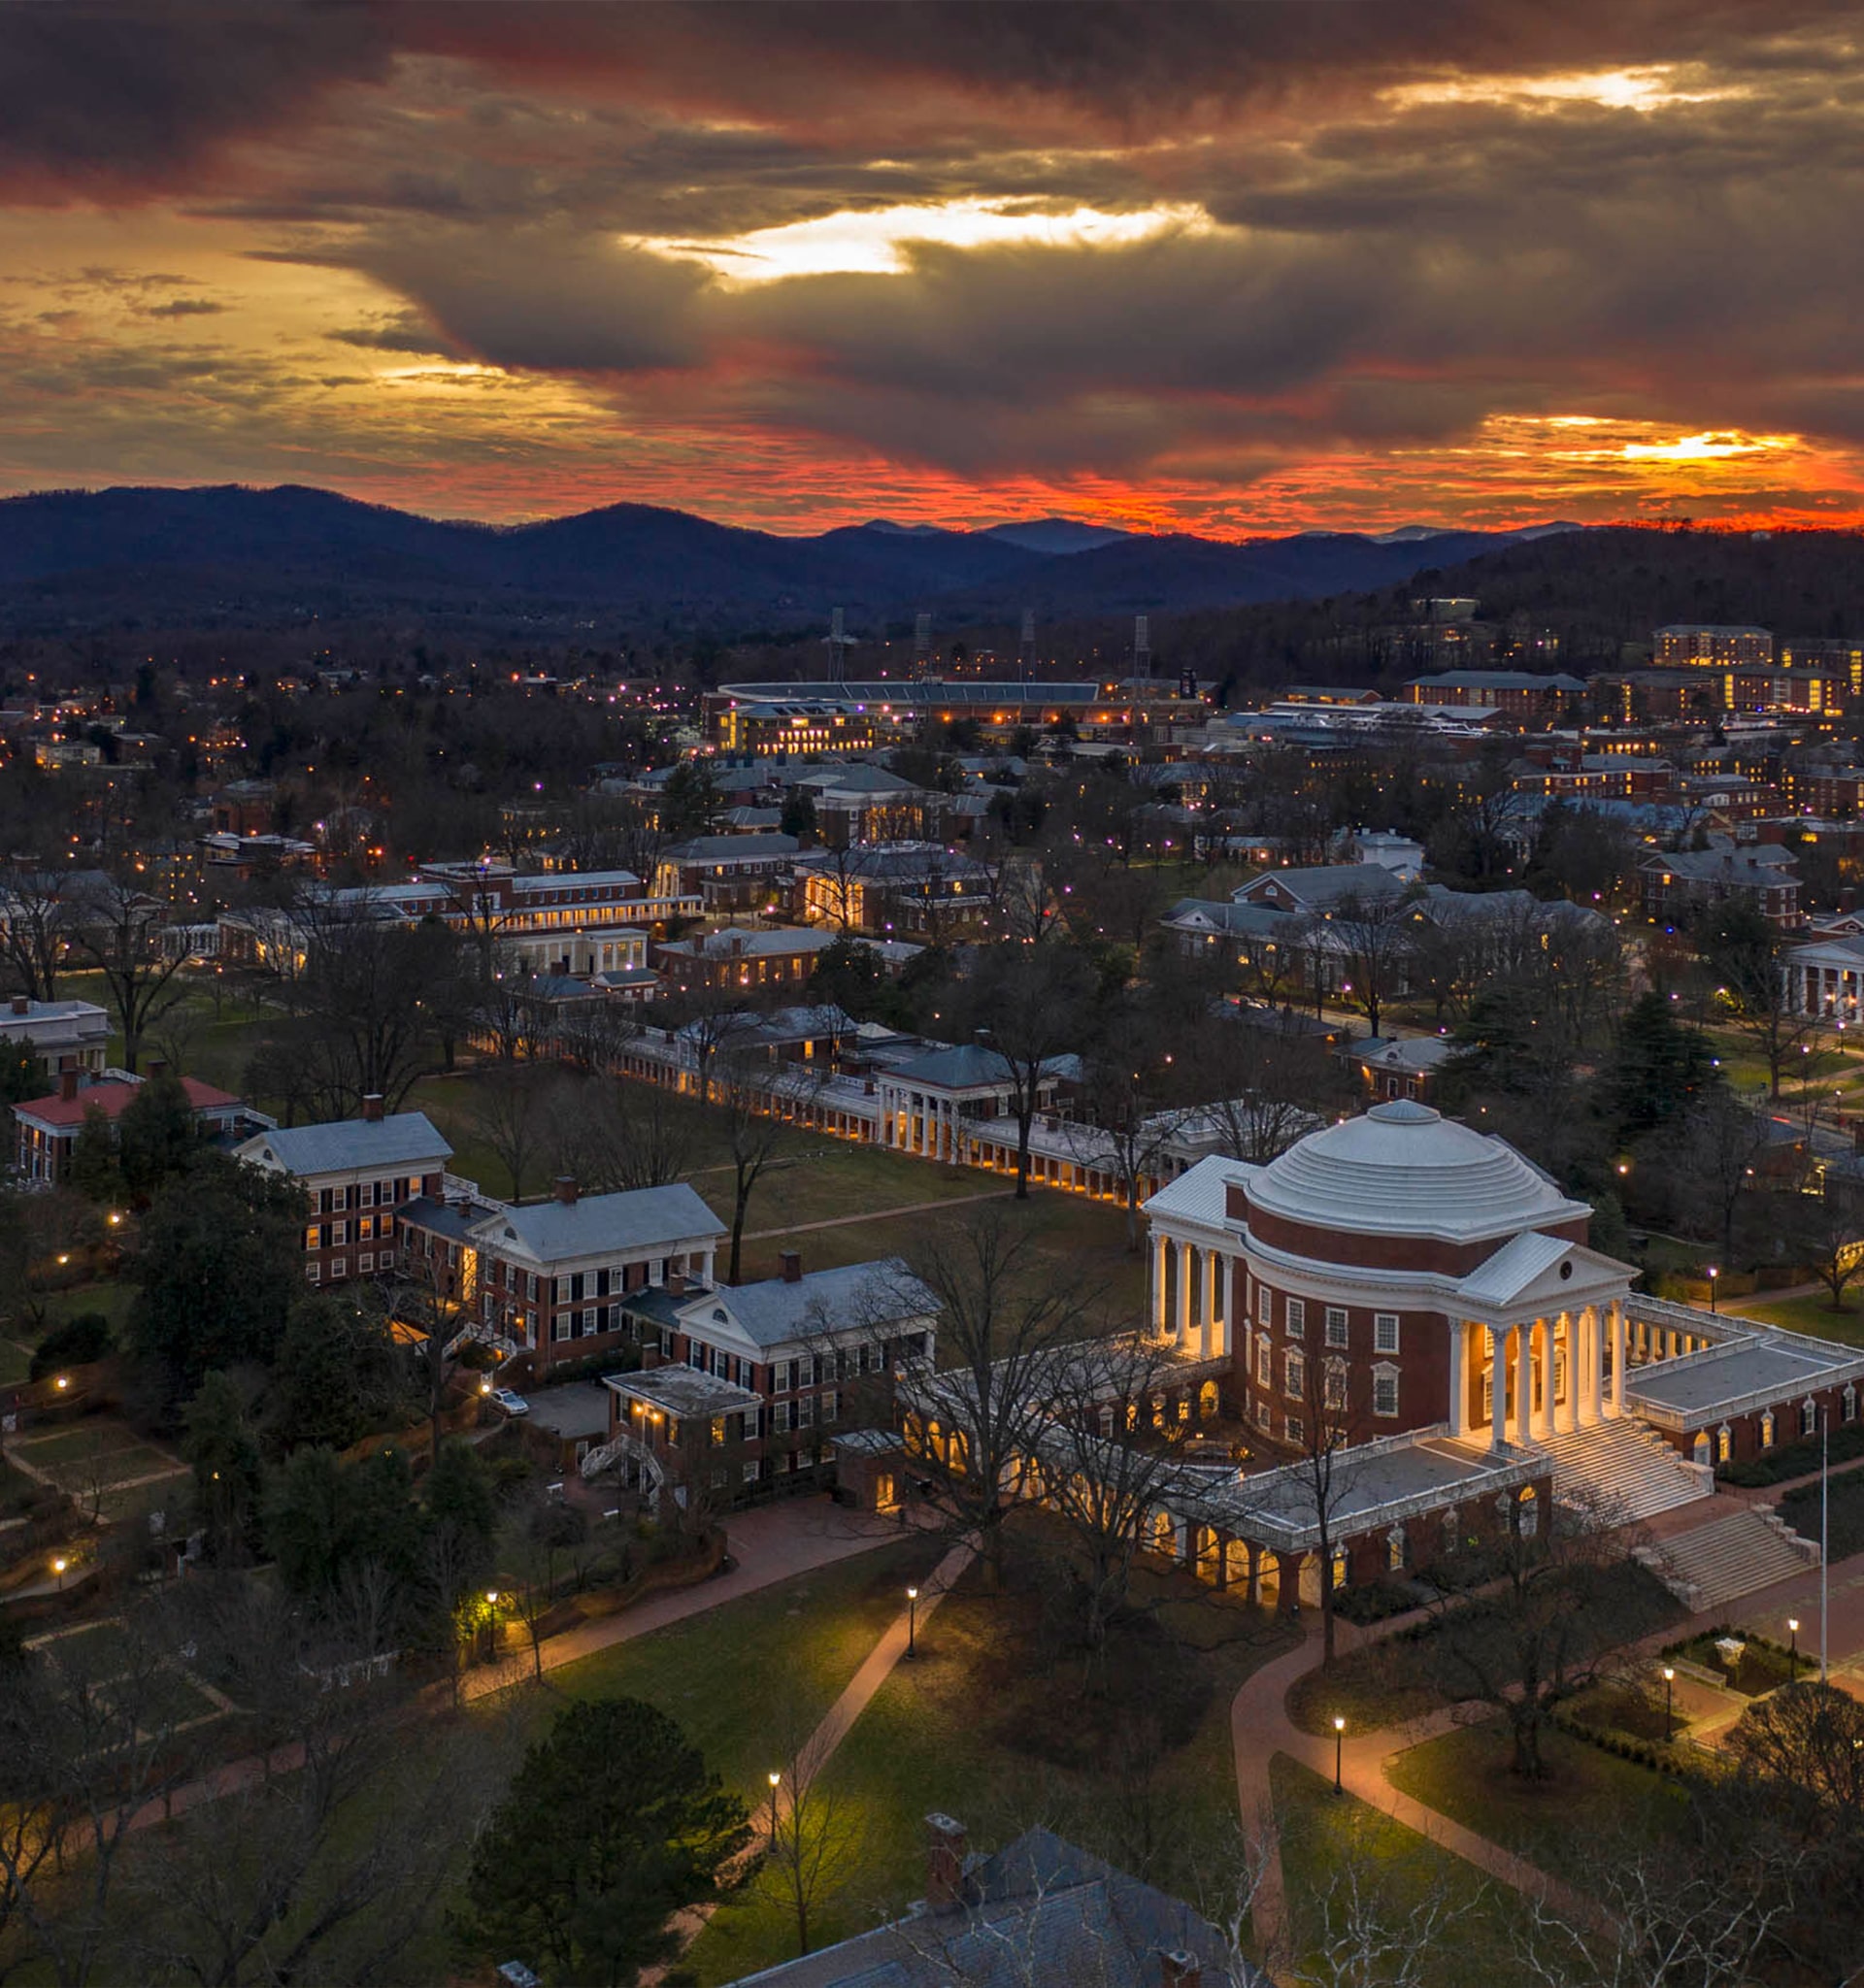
(232, 556)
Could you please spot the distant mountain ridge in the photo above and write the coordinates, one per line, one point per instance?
(236, 554)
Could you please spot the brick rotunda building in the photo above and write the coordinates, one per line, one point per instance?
(1396, 1272)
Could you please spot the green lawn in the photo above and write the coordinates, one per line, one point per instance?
(1812, 1315)
(992, 1724)
(97, 1436)
(111, 1296)
(1333, 1843)
(1465, 1775)
(14, 1362)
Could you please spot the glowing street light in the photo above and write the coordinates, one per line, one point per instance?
(1713, 1274)
(1339, 1742)
(58, 1567)
(911, 1622)
(1669, 1684)
(1792, 1655)
(776, 1782)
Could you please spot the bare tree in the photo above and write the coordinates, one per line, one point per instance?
(1104, 1461)
(1371, 938)
(1552, 1616)
(813, 1839)
(513, 1113)
(1005, 1320)
(118, 929)
(754, 1135)
(1029, 1003)
(35, 924)
(1137, 1089)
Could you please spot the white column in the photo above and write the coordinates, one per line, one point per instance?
(1185, 1296)
(1160, 1295)
(1458, 1377)
(1497, 1387)
(1589, 1366)
(1543, 1425)
(1523, 1384)
(1616, 1408)
(1213, 1269)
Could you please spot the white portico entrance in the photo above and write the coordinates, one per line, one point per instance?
(1537, 1343)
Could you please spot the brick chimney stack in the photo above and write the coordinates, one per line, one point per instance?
(675, 1283)
(154, 1066)
(21, 1003)
(67, 1086)
(372, 1108)
(793, 1263)
(1180, 1971)
(946, 1845)
(565, 1189)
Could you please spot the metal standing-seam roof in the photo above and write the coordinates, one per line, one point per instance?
(605, 1224)
(402, 1138)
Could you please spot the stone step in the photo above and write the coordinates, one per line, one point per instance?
(1729, 1557)
(1621, 1460)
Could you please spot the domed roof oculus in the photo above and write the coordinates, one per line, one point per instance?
(1404, 1169)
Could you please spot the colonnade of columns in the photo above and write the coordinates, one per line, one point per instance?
(1191, 1296)
(1816, 989)
(1586, 1336)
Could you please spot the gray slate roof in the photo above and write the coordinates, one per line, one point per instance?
(402, 1138)
(605, 1224)
(1040, 1911)
(857, 1296)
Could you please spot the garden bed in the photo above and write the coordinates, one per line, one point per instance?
(1762, 1666)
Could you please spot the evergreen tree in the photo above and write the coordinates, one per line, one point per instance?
(227, 1470)
(93, 1167)
(613, 1825)
(157, 1136)
(1659, 1068)
(22, 1076)
(220, 1267)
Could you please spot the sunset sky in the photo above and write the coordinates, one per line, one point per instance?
(1178, 265)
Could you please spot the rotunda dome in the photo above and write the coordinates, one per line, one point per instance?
(1402, 1169)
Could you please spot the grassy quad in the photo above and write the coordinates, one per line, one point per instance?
(1812, 1315)
(1464, 1775)
(1326, 1836)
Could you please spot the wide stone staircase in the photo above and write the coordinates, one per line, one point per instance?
(1623, 1461)
(1749, 1548)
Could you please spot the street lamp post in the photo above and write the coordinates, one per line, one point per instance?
(776, 1782)
(1713, 1274)
(1669, 1685)
(1792, 1654)
(1339, 1741)
(58, 1567)
(911, 1622)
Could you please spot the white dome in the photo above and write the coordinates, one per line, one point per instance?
(1404, 1169)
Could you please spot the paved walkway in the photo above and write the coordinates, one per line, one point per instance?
(772, 1544)
(1260, 1728)
(883, 1214)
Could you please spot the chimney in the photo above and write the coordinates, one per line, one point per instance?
(946, 1845)
(372, 1108)
(67, 1084)
(793, 1263)
(21, 1003)
(154, 1066)
(565, 1189)
(1180, 1971)
(675, 1283)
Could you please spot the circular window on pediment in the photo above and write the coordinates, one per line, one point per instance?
(1566, 1269)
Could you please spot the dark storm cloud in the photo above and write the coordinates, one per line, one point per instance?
(131, 98)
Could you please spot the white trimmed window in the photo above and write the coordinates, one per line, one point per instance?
(366, 1262)
(560, 1325)
(1808, 1416)
(1264, 1362)
(1337, 1325)
(1385, 1332)
(1384, 1390)
(1294, 1430)
(1336, 1386)
(1294, 1375)
(1297, 1317)
(1848, 1402)
(1264, 1415)
(1395, 1550)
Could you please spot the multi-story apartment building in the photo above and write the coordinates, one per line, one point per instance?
(551, 1276)
(359, 1175)
(1692, 644)
(46, 1129)
(748, 1385)
(1763, 877)
(725, 872)
(1517, 694)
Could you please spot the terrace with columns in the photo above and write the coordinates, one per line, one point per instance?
(1420, 1297)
